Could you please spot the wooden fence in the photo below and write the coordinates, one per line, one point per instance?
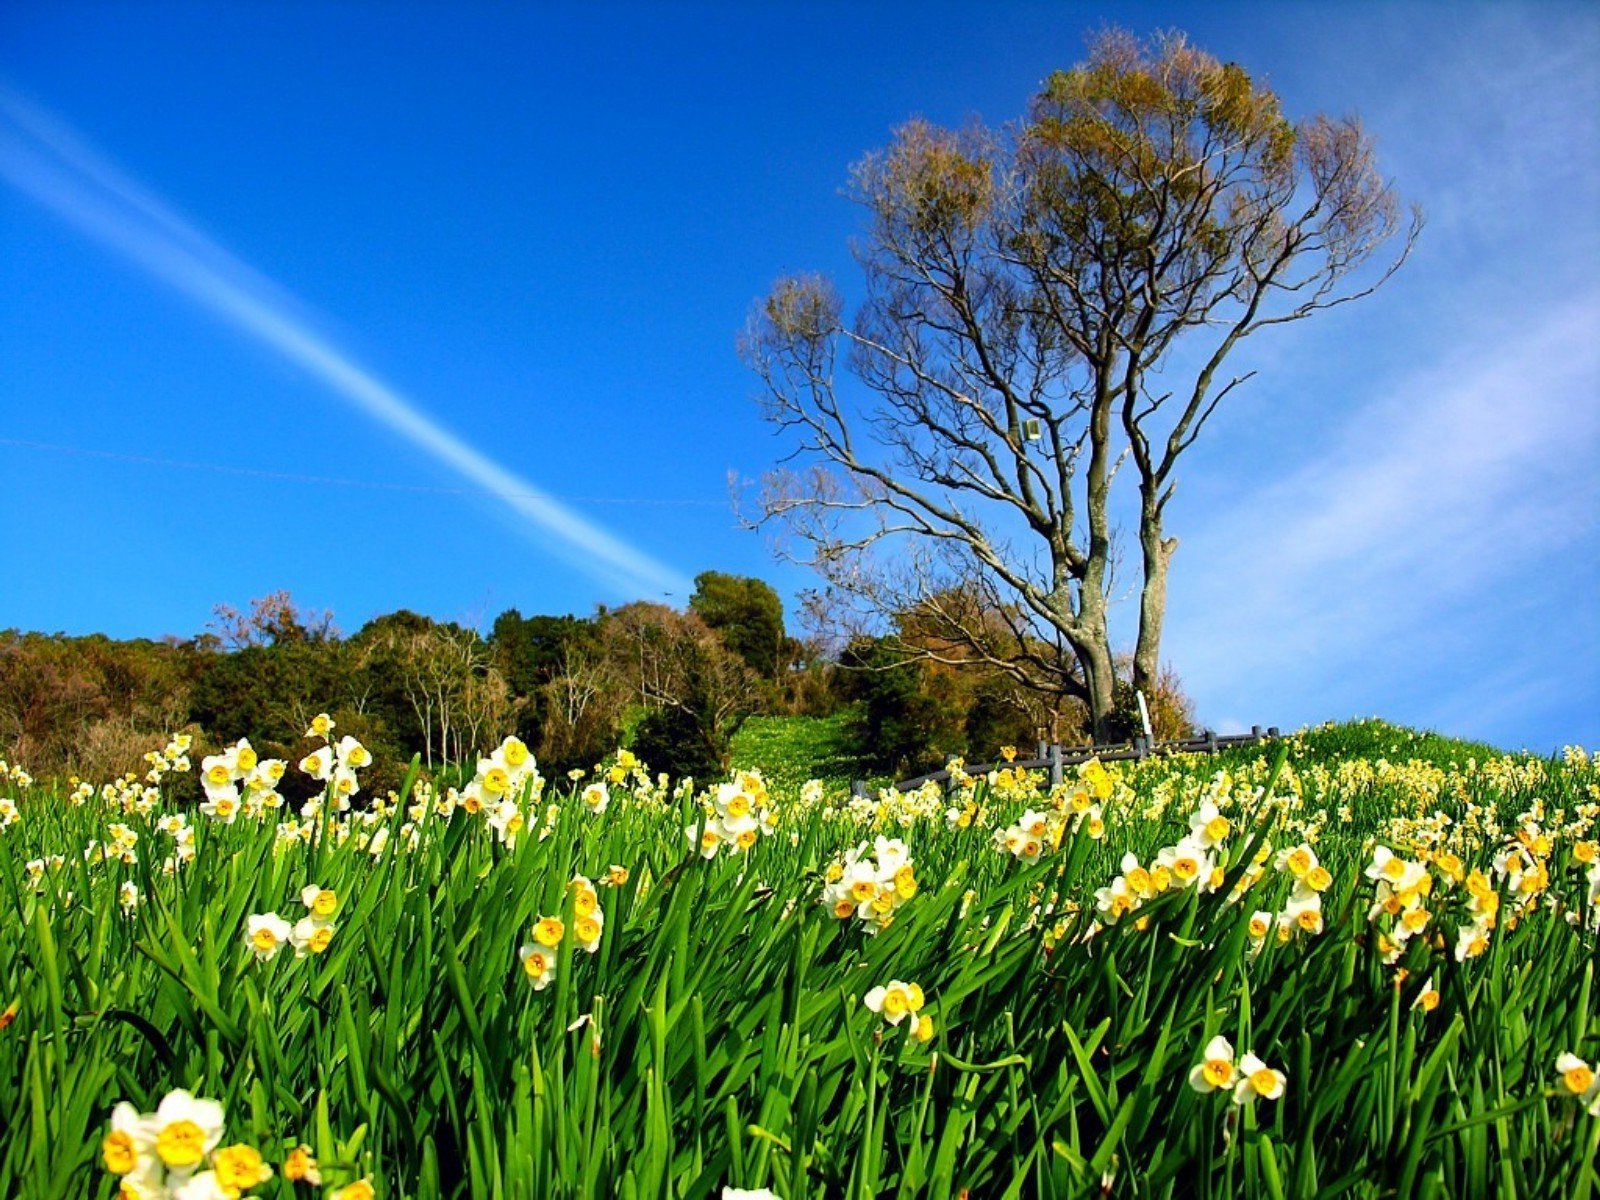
(1057, 757)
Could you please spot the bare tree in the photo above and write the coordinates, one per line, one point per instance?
(676, 661)
(1046, 303)
(582, 705)
(461, 701)
(273, 620)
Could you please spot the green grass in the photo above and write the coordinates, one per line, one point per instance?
(791, 750)
(718, 1036)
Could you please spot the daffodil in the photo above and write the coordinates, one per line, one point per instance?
(1216, 1067)
(319, 764)
(1297, 860)
(239, 1167)
(539, 964)
(128, 1143)
(895, 1001)
(310, 936)
(596, 797)
(1471, 942)
(1256, 1079)
(265, 934)
(351, 753)
(184, 1130)
(322, 902)
(1208, 827)
(586, 930)
(221, 803)
(300, 1166)
(1580, 1081)
(507, 821)
(146, 1182)
(1428, 998)
(710, 839)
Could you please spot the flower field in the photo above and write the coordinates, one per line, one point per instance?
(1358, 963)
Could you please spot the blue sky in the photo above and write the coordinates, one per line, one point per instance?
(468, 250)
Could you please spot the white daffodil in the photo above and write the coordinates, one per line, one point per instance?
(242, 757)
(1257, 1079)
(265, 934)
(1208, 827)
(345, 785)
(222, 804)
(1215, 1069)
(323, 902)
(539, 964)
(1188, 861)
(184, 1130)
(895, 1001)
(129, 1148)
(319, 764)
(1304, 911)
(216, 771)
(1297, 860)
(1580, 1081)
(1385, 865)
(892, 854)
(310, 936)
(596, 797)
(352, 753)
(586, 930)
(507, 820)
(1471, 941)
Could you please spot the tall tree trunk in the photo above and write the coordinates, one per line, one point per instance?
(1157, 552)
(1091, 642)
(1100, 677)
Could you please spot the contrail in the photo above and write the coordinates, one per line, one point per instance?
(44, 159)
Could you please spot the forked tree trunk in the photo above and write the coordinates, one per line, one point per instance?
(1091, 644)
(1157, 553)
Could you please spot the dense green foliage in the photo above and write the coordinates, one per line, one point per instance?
(717, 1036)
(748, 615)
(573, 688)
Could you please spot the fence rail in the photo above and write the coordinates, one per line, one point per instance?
(1057, 757)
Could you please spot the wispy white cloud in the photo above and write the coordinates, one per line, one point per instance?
(1377, 553)
(46, 160)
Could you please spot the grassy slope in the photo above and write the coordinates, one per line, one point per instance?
(791, 750)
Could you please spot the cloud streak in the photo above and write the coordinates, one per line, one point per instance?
(44, 159)
(1436, 510)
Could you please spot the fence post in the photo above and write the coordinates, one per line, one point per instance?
(1255, 732)
(1272, 731)
(1211, 741)
(1055, 766)
(1141, 746)
(858, 789)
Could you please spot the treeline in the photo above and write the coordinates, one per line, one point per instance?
(673, 685)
